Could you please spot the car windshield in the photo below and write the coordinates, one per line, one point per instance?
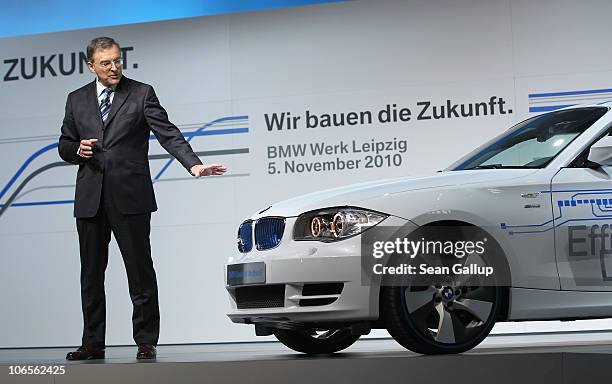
(532, 143)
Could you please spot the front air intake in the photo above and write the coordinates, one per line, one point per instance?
(320, 294)
(260, 296)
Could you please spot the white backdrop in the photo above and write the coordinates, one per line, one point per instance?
(228, 74)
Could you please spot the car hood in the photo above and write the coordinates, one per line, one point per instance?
(354, 194)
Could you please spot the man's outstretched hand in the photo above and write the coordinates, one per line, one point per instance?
(208, 169)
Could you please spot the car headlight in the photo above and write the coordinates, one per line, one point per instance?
(333, 224)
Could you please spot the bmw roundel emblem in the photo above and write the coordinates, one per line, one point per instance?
(448, 293)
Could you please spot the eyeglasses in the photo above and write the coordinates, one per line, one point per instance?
(106, 64)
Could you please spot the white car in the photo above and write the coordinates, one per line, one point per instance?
(540, 195)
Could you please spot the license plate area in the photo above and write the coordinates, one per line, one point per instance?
(247, 273)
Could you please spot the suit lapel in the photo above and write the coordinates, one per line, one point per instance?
(92, 105)
(121, 93)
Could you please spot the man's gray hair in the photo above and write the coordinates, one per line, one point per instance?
(99, 43)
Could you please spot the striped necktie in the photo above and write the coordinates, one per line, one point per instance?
(105, 104)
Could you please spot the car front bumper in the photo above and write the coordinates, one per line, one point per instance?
(295, 270)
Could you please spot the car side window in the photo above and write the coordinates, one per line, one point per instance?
(581, 160)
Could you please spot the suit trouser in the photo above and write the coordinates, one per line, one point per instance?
(132, 235)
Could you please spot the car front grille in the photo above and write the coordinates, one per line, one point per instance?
(269, 232)
(260, 296)
(245, 238)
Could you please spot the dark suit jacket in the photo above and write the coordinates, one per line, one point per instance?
(121, 153)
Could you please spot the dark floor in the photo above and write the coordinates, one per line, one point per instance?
(581, 357)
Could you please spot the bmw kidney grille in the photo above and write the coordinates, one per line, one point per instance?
(245, 239)
(269, 232)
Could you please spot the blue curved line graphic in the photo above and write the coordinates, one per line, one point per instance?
(576, 190)
(505, 226)
(594, 203)
(32, 203)
(25, 165)
(197, 132)
(188, 135)
(560, 224)
(596, 215)
(590, 192)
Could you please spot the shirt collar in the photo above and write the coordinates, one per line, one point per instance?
(100, 87)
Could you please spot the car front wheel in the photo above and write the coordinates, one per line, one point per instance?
(450, 317)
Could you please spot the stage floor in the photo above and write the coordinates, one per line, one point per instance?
(570, 357)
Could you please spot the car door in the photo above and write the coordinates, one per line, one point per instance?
(582, 208)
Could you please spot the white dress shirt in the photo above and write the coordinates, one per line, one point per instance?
(100, 88)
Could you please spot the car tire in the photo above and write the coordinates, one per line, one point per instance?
(310, 342)
(433, 327)
(448, 313)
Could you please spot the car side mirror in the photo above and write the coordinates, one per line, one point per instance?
(601, 152)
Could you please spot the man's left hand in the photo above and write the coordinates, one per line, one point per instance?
(208, 169)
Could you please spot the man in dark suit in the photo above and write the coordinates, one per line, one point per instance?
(106, 132)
